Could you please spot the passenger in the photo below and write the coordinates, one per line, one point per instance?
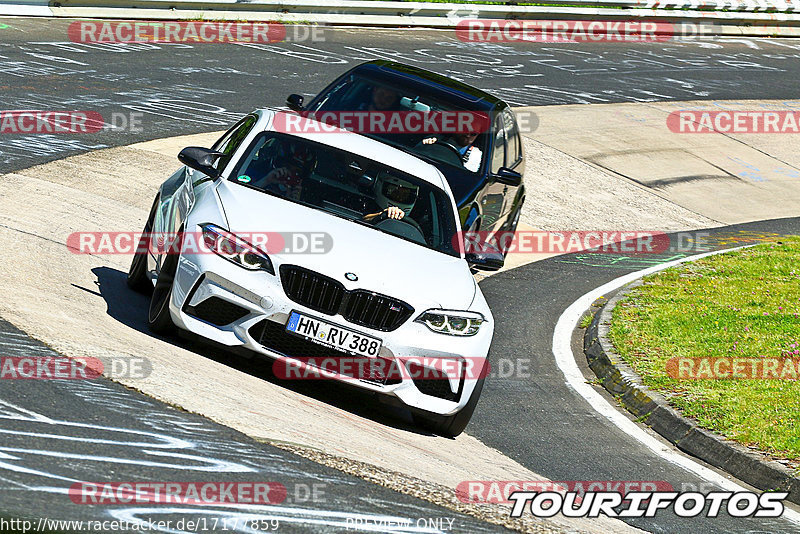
(293, 164)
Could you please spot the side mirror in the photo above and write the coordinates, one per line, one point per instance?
(508, 177)
(365, 182)
(201, 159)
(485, 261)
(295, 102)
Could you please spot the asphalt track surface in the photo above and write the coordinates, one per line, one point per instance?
(57, 433)
(180, 89)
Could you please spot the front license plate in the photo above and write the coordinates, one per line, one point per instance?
(332, 335)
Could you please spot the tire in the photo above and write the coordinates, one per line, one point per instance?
(450, 426)
(159, 319)
(512, 226)
(137, 274)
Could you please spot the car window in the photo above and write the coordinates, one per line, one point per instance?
(498, 146)
(349, 186)
(513, 154)
(362, 94)
(228, 143)
(352, 94)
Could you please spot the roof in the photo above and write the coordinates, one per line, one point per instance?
(459, 93)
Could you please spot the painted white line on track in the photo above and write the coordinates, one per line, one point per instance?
(566, 361)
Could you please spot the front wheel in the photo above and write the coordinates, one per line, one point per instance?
(159, 319)
(137, 274)
(451, 426)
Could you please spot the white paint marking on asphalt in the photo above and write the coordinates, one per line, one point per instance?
(566, 361)
(12, 411)
(160, 441)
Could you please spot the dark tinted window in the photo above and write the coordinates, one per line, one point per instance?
(349, 186)
(229, 142)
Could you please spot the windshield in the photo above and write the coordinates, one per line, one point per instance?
(350, 186)
(462, 149)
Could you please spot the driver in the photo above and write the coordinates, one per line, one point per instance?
(464, 143)
(395, 198)
(293, 164)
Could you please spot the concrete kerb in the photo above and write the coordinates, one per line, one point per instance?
(652, 408)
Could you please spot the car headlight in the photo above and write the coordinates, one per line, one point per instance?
(454, 323)
(235, 249)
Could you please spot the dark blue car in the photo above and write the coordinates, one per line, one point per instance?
(485, 171)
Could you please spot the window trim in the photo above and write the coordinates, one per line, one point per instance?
(518, 139)
(229, 134)
(498, 122)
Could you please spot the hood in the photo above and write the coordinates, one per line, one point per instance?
(386, 264)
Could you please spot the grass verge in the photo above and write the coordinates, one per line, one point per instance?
(741, 304)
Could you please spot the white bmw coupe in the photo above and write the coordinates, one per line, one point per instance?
(385, 302)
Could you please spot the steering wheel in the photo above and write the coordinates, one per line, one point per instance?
(442, 151)
(448, 145)
(405, 227)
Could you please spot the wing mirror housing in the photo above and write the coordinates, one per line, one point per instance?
(201, 159)
(508, 177)
(365, 182)
(485, 261)
(295, 102)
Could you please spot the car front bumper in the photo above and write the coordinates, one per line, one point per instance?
(252, 297)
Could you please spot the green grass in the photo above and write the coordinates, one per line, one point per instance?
(745, 304)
